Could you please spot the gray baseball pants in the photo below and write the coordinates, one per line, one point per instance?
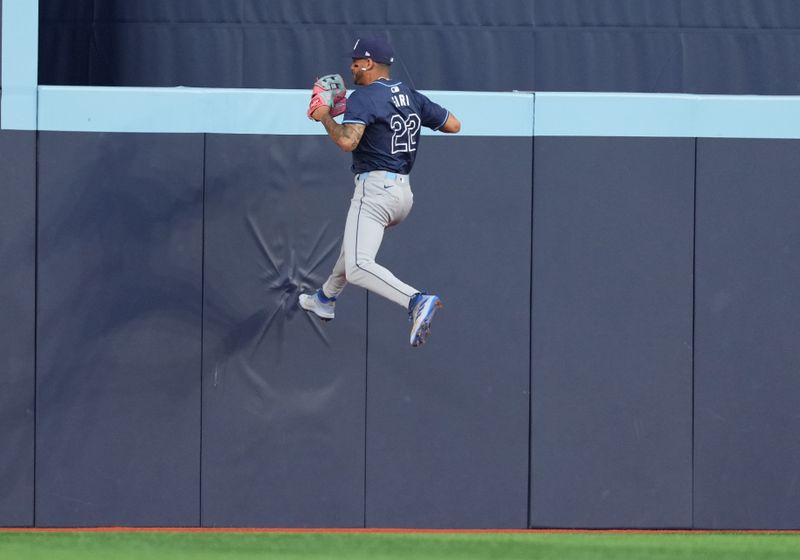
(381, 199)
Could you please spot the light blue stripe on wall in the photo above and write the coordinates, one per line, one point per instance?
(248, 111)
(20, 64)
(489, 113)
(668, 115)
(252, 111)
(112, 109)
(748, 116)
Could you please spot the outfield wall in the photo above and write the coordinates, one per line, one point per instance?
(642, 288)
(617, 347)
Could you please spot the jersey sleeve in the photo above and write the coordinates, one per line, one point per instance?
(359, 109)
(433, 116)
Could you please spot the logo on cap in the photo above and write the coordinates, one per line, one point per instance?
(375, 48)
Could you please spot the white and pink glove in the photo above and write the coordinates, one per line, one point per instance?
(328, 90)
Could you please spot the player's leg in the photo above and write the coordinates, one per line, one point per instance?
(367, 219)
(337, 281)
(323, 302)
(422, 307)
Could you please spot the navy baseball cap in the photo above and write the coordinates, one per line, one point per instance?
(376, 48)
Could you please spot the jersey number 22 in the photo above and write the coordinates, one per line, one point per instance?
(404, 137)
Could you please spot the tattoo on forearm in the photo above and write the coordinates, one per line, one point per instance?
(346, 136)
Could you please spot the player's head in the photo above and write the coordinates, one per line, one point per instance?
(372, 58)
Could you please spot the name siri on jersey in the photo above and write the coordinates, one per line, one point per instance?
(401, 100)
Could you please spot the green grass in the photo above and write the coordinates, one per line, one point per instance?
(379, 546)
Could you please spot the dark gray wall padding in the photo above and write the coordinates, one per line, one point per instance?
(118, 402)
(709, 46)
(611, 418)
(447, 424)
(747, 456)
(177, 382)
(283, 393)
(17, 325)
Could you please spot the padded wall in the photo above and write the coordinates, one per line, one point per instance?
(713, 46)
(118, 380)
(283, 407)
(447, 424)
(611, 419)
(177, 383)
(17, 328)
(747, 327)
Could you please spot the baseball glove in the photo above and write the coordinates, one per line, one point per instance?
(328, 90)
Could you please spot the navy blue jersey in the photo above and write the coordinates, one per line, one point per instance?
(394, 115)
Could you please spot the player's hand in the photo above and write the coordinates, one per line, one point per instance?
(329, 92)
(319, 112)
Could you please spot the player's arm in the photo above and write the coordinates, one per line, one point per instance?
(346, 136)
(452, 125)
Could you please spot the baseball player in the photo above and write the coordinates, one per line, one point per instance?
(381, 127)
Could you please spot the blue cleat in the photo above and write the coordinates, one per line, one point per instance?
(318, 304)
(422, 309)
